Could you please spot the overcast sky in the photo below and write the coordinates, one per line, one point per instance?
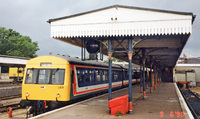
(28, 17)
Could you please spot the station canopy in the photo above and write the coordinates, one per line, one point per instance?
(13, 61)
(163, 34)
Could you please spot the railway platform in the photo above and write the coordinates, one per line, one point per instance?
(165, 102)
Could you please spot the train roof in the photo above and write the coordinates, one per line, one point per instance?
(78, 61)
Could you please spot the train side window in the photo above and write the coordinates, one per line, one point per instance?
(87, 76)
(31, 76)
(113, 79)
(115, 75)
(119, 75)
(44, 76)
(126, 75)
(106, 75)
(103, 76)
(80, 76)
(93, 75)
(98, 75)
(58, 76)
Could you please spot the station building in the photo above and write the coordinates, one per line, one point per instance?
(188, 69)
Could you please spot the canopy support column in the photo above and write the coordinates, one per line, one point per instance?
(18, 75)
(110, 71)
(150, 75)
(155, 76)
(158, 77)
(141, 79)
(130, 54)
(143, 61)
(147, 78)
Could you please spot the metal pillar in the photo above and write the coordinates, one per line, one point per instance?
(158, 77)
(17, 75)
(0, 72)
(110, 70)
(154, 77)
(147, 79)
(130, 54)
(143, 61)
(83, 49)
(141, 90)
(150, 75)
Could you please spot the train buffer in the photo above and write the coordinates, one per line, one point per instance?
(164, 102)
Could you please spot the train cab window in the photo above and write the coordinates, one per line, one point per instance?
(31, 76)
(44, 76)
(58, 76)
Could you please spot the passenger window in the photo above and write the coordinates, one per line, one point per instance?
(103, 76)
(80, 75)
(92, 76)
(114, 76)
(87, 76)
(119, 75)
(106, 75)
(98, 75)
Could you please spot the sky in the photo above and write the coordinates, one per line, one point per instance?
(29, 18)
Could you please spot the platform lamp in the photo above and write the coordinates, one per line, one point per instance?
(93, 47)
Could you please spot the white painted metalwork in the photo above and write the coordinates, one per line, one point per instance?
(121, 21)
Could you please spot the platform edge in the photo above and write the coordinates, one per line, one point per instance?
(188, 114)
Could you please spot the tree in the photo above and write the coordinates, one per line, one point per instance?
(113, 59)
(14, 44)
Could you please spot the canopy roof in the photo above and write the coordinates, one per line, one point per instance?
(162, 33)
(6, 60)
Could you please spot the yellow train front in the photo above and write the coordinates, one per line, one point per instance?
(55, 80)
(44, 80)
(16, 74)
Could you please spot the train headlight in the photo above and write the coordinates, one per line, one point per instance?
(27, 94)
(58, 95)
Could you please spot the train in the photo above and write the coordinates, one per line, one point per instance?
(53, 81)
(16, 74)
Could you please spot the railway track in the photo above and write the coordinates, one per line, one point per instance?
(5, 108)
(10, 97)
(5, 104)
(193, 102)
(8, 85)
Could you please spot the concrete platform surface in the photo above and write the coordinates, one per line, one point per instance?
(162, 103)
